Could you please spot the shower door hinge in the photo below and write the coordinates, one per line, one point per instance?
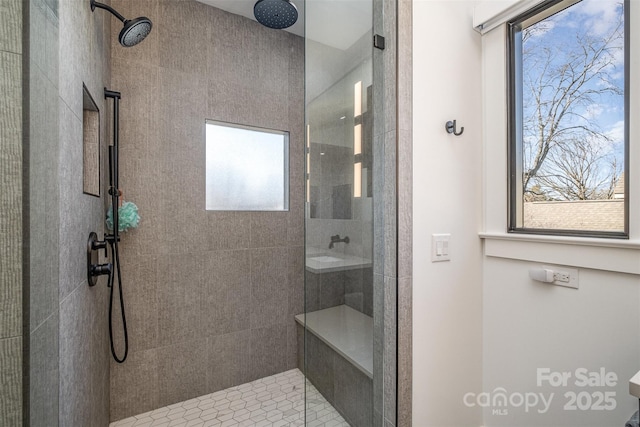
(378, 41)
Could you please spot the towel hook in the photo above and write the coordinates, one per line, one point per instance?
(451, 128)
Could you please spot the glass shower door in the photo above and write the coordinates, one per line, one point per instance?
(339, 289)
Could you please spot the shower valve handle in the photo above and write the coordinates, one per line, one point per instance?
(96, 245)
(94, 269)
(101, 269)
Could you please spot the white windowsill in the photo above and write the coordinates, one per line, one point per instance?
(622, 256)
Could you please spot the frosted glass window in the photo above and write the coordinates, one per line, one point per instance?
(247, 168)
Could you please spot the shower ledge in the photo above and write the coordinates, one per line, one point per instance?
(346, 331)
(327, 262)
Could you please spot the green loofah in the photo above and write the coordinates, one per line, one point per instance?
(127, 217)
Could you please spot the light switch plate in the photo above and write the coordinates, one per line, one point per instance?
(440, 247)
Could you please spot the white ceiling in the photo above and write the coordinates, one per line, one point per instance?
(335, 23)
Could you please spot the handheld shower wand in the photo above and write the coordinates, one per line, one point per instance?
(114, 237)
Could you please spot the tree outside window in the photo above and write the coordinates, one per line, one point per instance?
(568, 118)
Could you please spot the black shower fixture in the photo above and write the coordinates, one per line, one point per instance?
(277, 14)
(134, 30)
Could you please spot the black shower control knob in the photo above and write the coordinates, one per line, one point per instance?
(101, 269)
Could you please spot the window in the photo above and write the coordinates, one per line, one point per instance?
(247, 168)
(568, 119)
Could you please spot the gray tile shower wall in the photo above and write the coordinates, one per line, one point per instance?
(76, 55)
(68, 358)
(405, 212)
(351, 287)
(392, 219)
(11, 214)
(210, 296)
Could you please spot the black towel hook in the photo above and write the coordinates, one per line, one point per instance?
(451, 128)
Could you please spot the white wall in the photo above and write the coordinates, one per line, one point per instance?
(529, 326)
(479, 322)
(447, 296)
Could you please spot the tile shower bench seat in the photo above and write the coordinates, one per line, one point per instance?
(338, 360)
(346, 331)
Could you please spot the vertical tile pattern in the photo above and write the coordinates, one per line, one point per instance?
(268, 287)
(343, 385)
(69, 356)
(232, 281)
(85, 358)
(181, 371)
(227, 286)
(139, 377)
(74, 367)
(140, 274)
(353, 393)
(268, 350)
(11, 214)
(405, 351)
(319, 366)
(389, 374)
(232, 355)
(44, 376)
(378, 347)
(351, 287)
(180, 293)
(392, 213)
(311, 291)
(11, 32)
(11, 375)
(405, 211)
(332, 289)
(11, 199)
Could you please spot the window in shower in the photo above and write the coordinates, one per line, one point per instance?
(247, 168)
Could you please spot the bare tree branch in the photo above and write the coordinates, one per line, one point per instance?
(559, 85)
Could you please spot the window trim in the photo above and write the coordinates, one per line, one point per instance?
(514, 148)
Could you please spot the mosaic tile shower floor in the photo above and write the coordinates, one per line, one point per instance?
(275, 401)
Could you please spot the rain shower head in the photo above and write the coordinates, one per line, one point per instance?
(134, 30)
(275, 14)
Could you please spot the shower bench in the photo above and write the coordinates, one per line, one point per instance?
(338, 359)
(346, 331)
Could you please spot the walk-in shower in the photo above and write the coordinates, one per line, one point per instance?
(231, 315)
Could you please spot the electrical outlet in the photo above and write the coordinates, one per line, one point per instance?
(564, 276)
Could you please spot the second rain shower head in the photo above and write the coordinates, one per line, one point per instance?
(277, 14)
(134, 30)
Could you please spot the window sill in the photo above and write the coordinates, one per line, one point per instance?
(622, 256)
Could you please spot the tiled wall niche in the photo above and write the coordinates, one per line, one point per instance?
(91, 144)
